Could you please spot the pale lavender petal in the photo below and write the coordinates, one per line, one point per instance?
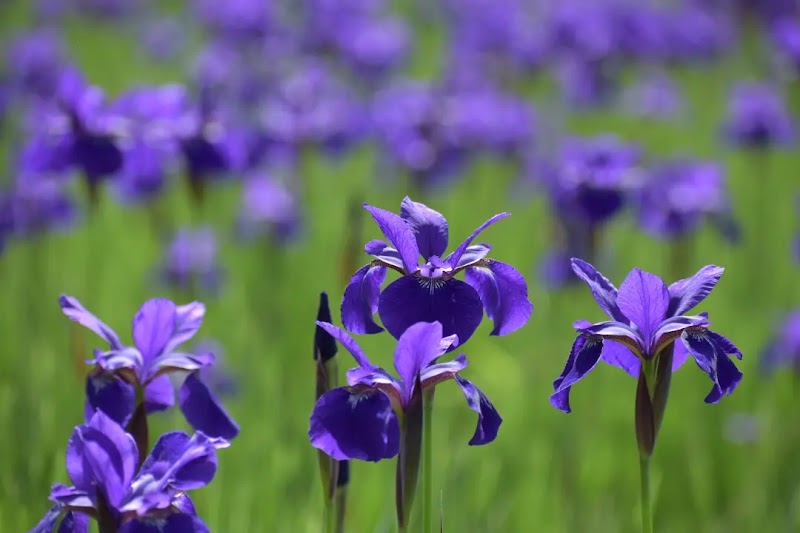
(504, 293)
(188, 319)
(416, 348)
(153, 327)
(603, 290)
(583, 357)
(399, 235)
(360, 300)
(383, 252)
(73, 309)
(159, 394)
(472, 254)
(488, 418)
(619, 355)
(687, 293)
(428, 226)
(455, 258)
(72, 497)
(127, 357)
(443, 371)
(204, 411)
(355, 424)
(643, 298)
(680, 354)
(178, 362)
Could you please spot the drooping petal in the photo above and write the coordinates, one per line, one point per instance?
(455, 257)
(349, 344)
(383, 252)
(111, 455)
(724, 345)
(360, 300)
(618, 332)
(74, 522)
(159, 395)
(488, 418)
(188, 319)
(204, 411)
(504, 293)
(619, 355)
(399, 235)
(585, 353)
(153, 326)
(348, 423)
(472, 254)
(48, 522)
(416, 348)
(173, 523)
(712, 360)
(73, 498)
(604, 292)
(112, 395)
(454, 304)
(643, 298)
(687, 293)
(177, 461)
(442, 371)
(73, 309)
(671, 329)
(429, 227)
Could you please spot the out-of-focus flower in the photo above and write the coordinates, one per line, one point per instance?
(218, 376)
(586, 84)
(163, 38)
(783, 349)
(237, 20)
(268, 207)
(699, 32)
(430, 292)
(34, 206)
(373, 48)
(785, 36)
(654, 97)
(191, 260)
(757, 117)
(34, 61)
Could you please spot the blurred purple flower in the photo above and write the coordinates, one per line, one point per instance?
(785, 36)
(268, 207)
(783, 349)
(102, 465)
(655, 96)
(217, 377)
(163, 38)
(34, 206)
(699, 32)
(586, 84)
(373, 48)
(585, 31)
(430, 292)
(757, 117)
(34, 61)
(237, 20)
(191, 260)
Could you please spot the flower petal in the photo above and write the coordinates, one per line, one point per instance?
(643, 298)
(455, 257)
(399, 235)
(710, 356)
(687, 293)
(360, 300)
(188, 319)
(204, 411)
(177, 362)
(383, 252)
(110, 457)
(72, 498)
(472, 254)
(348, 423)
(172, 523)
(48, 522)
(504, 294)
(349, 344)
(181, 462)
(619, 355)
(454, 304)
(585, 353)
(112, 395)
(416, 348)
(429, 227)
(124, 358)
(443, 371)
(74, 522)
(604, 292)
(159, 394)
(73, 309)
(153, 327)
(488, 418)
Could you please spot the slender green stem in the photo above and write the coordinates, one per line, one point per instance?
(330, 516)
(427, 459)
(647, 513)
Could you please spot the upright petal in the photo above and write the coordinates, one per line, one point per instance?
(348, 423)
(188, 319)
(455, 258)
(429, 227)
(348, 342)
(153, 327)
(687, 293)
(504, 293)
(454, 304)
(603, 290)
(488, 418)
(204, 411)
(583, 357)
(399, 234)
(112, 395)
(75, 311)
(111, 455)
(360, 300)
(643, 298)
(416, 348)
(710, 356)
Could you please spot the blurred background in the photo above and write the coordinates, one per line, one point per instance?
(221, 151)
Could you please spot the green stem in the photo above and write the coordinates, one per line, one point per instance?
(330, 516)
(427, 459)
(647, 514)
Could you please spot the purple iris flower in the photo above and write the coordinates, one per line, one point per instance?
(374, 47)
(163, 38)
(699, 32)
(102, 465)
(679, 195)
(35, 206)
(646, 318)
(655, 97)
(785, 34)
(757, 117)
(268, 207)
(125, 373)
(784, 347)
(586, 83)
(362, 421)
(191, 260)
(237, 20)
(35, 60)
(430, 292)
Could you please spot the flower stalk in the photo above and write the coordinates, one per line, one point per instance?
(427, 458)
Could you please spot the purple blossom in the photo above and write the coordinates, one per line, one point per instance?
(757, 117)
(35, 60)
(373, 48)
(646, 318)
(785, 36)
(191, 260)
(35, 206)
(654, 97)
(699, 32)
(102, 465)
(586, 83)
(430, 292)
(163, 38)
(123, 373)
(363, 420)
(268, 207)
(783, 349)
(237, 20)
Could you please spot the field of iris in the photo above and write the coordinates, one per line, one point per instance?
(730, 466)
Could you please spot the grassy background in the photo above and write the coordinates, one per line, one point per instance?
(547, 471)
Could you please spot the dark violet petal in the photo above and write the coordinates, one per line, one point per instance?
(603, 290)
(399, 235)
(74, 522)
(360, 300)
(724, 345)
(687, 293)
(48, 522)
(643, 298)
(182, 462)
(455, 258)
(111, 454)
(153, 327)
(504, 293)
(429, 227)
(488, 418)
(204, 411)
(619, 355)
(348, 342)
(712, 360)
(416, 348)
(348, 423)
(173, 523)
(472, 254)
(385, 253)
(325, 347)
(583, 357)
(112, 395)
(188, 319)
(454, 304)
(159, 394)
(75, 311)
